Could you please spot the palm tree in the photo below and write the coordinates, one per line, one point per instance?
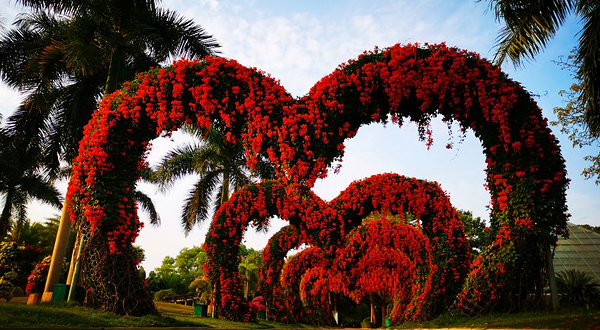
(221, 166)
(531, 24)
(22, 179)
(65, 63)
(66, 54)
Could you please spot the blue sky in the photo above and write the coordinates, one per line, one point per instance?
(298, 42)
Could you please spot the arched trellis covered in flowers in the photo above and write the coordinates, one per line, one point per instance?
(525, 171)
(389, 193)
(285, 240)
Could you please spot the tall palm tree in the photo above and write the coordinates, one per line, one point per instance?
(22, 179)
(66, 54)
(221, 166)
(529, 26)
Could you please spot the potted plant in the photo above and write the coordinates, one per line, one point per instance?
(202, 287)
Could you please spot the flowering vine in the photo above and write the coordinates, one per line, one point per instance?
(525, 172)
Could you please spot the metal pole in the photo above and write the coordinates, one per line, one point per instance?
(73, 258)
(58, 254)
(73, 288)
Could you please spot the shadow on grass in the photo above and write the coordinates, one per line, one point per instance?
(63, 315)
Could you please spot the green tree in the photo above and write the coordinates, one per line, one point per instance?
(22, 178)
(248, 268)
(66, 54)
(529, 26)
(178, 273)
(475, 231)
(595, 229)
(221, 166)
(40, 236)
(571, 119)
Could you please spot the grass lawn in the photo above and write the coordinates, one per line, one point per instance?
(568, 318)
(17, 314)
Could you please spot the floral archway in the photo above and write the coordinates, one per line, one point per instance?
(325, 227)
(526, 176)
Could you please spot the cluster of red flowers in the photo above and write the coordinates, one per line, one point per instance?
(525, 171)
(37, 279)
(325, 226)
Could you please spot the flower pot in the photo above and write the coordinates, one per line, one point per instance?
(34, 299)
(200, 309)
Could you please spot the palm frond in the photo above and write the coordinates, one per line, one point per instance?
(529, 25)
(147, 205)
(178, 163)
(589, 63)
(218, 198)
(61, 6)
(36, 186)
(195, 208)
(166, 34)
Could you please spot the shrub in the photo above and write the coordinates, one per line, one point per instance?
(18, 292)
(164, 295)
(576, 288)
(37, 279)
(6, 285)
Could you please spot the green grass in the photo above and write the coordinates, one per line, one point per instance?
(186, 314)
(568, 318)
(17, 314)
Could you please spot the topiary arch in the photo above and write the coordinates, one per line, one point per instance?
(324, 226)
(525, 172)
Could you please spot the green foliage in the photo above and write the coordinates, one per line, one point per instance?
(221, 166)
(530, 25)
(164, 295)
(16, 262)
(22, 178)
(41, 235)
(248, 269)
(202, 288)
(475, 231)
(572, 120)
(576, 288)
(178, 273)
(7, 286)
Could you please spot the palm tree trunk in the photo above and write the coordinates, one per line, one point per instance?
(6, 211)
(225, 191)
(114, 71)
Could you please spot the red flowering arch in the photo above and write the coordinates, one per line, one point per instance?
(254, 205)
(278, 246)
(325, 227)
(525, 171)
